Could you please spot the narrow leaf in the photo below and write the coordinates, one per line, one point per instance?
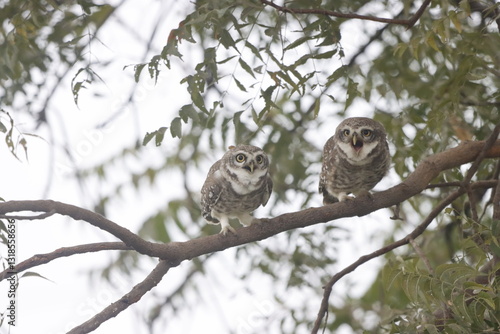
(176, 127)
(247, 68)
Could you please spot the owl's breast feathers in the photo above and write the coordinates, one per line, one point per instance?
(232, 193)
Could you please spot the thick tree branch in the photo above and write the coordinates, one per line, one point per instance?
(130, 239)
(405, 22)
(40, 259)
(176, 252)
(124, 302)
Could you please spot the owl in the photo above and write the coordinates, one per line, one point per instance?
(236, 185)
(355, 159)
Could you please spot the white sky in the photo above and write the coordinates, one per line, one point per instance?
(55, 306)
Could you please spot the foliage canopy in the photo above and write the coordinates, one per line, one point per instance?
(277, 76)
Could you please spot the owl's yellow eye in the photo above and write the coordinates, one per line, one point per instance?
(366, 132)
(346, 132)
(259, 159)
(240, 157)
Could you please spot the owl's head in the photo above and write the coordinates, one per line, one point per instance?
(357, 137)
(247, 160)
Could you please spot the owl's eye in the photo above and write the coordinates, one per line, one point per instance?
(346, 132)
(366, 132)
(240, 157)
(259, 159)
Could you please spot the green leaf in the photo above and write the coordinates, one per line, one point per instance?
(337, 74)
(247, 68)
(227, 40)
(176, 127)
(325, 55)
(137, 71)
(158, 135)
(239, 85)
(188, 111)
(194, 90)
(317, 105)
(34, 274)
(254, 50)
(352, 93)
(2, 127)
(431, 41)
(296, 43)
(455, 20)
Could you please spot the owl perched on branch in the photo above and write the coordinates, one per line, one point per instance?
(236, 185)
(355, 159)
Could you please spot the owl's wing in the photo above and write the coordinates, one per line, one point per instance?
(210, 193)
(328, 157)
(268, 189)
(328, 163)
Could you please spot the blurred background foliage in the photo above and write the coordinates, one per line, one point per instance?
(257, 75)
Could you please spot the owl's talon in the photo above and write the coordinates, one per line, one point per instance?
(256, 221)
(365, 194)
(227, 229)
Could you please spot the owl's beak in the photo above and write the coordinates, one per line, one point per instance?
(250, 167)
(357, 144)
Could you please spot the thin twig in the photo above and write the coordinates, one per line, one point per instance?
(405, 22)
(473, 169)
(495, 194)
(365, 258)
(496, 202)
(473, 185)
(487, 145)
(422, 256)
(40, 259)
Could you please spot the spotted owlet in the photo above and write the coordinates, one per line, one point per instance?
(355, 159)
(236, 185)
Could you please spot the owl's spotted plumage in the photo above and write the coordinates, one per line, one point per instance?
(355, 159)
(236, 185)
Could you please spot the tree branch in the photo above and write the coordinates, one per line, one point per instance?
(487, 145)
(365, 258)
(40, 259)
(405, 22)
(124, 302)
(496, 202)
(130, 239)
(176, 252)
(173, 253)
